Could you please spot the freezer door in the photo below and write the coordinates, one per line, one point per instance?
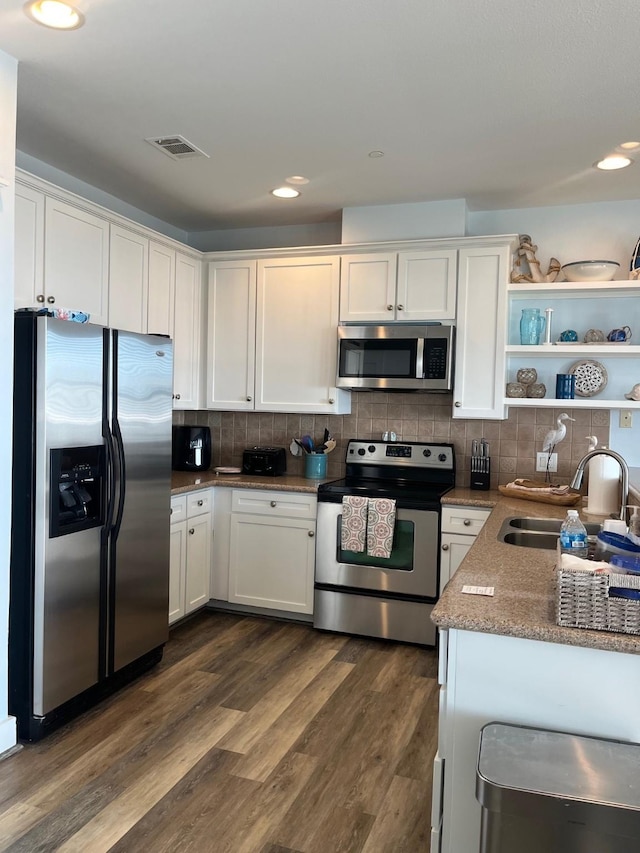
(139, 549)
(66, 612)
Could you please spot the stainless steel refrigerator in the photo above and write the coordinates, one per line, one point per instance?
(90, 515)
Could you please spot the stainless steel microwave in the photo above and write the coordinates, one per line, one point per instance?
(396, 357)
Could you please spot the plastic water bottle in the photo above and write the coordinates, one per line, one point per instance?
(573, 535)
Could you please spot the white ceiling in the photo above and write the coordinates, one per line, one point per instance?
(504, 103)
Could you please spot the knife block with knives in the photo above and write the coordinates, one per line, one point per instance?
(480, 465)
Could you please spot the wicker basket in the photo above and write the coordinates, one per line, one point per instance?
(583, 601)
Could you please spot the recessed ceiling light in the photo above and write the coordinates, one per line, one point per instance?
(285, 192)
(54, 13)
(615, 161)
(376, 154)
(629, 146)
(297, 179)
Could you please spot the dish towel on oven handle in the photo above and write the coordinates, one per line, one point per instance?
(381, 523)
(354, 523)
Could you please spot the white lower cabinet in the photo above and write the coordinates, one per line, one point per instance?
(459, 527)
(272, 550)
(190, 566)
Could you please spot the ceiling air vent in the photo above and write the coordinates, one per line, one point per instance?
(176, 147)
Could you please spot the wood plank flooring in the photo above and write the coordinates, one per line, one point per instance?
(251, 736)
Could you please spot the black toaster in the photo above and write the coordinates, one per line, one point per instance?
(264, 461)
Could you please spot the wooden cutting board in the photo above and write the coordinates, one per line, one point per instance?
(571, 498)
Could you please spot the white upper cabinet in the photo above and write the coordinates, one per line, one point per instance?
(187, 333)
(128, 280)
(231, 346)
(398, 286)
(481, 333)
(76, 260)
(296, 336)
(29, 248)
(162, 279)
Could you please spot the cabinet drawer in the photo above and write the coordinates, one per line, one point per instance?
(178, 508)
(289, 504)
(198, 502)
(462, 519)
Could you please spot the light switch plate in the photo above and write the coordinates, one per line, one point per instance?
(542, 458)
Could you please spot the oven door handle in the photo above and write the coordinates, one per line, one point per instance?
(420, 359)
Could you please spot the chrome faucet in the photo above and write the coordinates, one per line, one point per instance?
(577, 477)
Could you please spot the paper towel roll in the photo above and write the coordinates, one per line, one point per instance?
(604, 488)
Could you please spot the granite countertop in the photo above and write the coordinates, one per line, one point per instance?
(188, 481)
(524, 582)
(472, 497)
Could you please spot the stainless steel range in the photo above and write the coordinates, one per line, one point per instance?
(390, 596)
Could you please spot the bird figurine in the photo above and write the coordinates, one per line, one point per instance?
(554, 437)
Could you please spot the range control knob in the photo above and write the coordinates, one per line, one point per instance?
(442, 457)
(361, 451)
(371, 448)
(426, 453)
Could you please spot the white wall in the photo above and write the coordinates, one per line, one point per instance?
(404, 221)
(8, 94)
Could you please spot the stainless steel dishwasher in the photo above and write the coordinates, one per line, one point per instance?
(556, 792)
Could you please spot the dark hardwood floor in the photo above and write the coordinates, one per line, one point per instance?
(251, 736)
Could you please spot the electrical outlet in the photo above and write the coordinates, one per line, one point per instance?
(626, 419)
(543, 458)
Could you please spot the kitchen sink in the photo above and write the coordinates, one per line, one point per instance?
(537, 532)
(551, 525)
(530, 539)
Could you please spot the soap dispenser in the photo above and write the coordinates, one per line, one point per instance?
(604, 489)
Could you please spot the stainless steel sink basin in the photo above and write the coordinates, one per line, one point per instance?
(536, 532)
(551, 525)
(530, 539)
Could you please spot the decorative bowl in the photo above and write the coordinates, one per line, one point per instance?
(590, 270)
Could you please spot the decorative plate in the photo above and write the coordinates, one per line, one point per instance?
(591, 377)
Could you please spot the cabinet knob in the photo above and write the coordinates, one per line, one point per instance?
(445, 547)
(40, 297)
(331, 400)
(389, 307)
(311, 534)
(201, 502)
(51, 299)
(400, 307)
(191, 531)
(273, 503)
(467, 522)
(177, 396)
(248, 399)
(457, 404)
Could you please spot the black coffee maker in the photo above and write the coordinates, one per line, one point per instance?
(191, 448)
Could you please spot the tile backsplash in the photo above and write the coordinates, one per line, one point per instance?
(413, 417)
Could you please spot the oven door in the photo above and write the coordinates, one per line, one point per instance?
(411, 570)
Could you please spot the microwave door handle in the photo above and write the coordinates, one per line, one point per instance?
(420, 359)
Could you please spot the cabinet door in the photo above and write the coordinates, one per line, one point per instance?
(198, 572)
(271, 562)
(368, 288)
(177, 570)
(128, 280)
(481, 333)
(29, 248)
(453, 549)
(231, 346)
(76, 260)
(162, 275)
(427, 285)
(296, 336)
(186, 334)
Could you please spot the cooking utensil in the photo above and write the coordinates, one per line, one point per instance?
(330, 445)
(307, 443)
(296, 448)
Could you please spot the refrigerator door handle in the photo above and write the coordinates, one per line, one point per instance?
(111, 480)
(122, 476)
